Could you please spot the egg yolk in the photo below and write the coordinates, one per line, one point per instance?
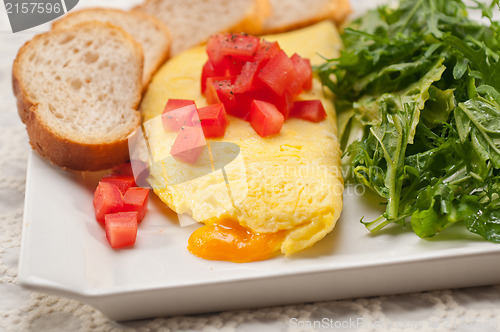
(229, 241)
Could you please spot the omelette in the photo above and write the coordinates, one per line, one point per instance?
(281, 193)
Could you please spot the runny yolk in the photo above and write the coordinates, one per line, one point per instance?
(229, 241)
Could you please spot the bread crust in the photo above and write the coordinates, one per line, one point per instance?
(74, 155)
(337, 11)
(253, 23)
(67, 152)
(58, 24)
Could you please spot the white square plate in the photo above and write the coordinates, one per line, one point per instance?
(64, 251)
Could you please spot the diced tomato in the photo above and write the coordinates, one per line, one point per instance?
(278, 73)
(141, 168)
(230, 66)
(214, 51)
(178, 113)
(242, 107)
(213, 120)
(239, 46)
(221, 90)
(304, 71)
(310, 110)
(244, 101)
(247, 79)
(283, 103)
(188, 144)
(123, 182)
(121, 229)
(173, 104)
(123, 169)
(211, 91)
(266, 51)
(136, 199)
(294, 88)
(265, 118)
(107, 199)
(236, 77)
(209, 71)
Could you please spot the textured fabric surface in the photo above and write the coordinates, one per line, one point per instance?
(470, 309)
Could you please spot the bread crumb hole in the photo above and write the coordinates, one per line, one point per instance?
(76, 84)
(103, 64)
(53, 110)
(75, 50)
(67, 39)
(89, 43)
(91, 57)
(102, 97)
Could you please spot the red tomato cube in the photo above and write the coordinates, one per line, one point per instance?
(178, 113)
(278, 73)
(136, 199)
(247, 79)
(211, 91)
(207, 71)
(283, 103)
(230, 66)
(123, 169)
(121, 229)
(310, 110)
(239, 46)
(214, 50)
(221, 90)
(173, 104)
(123, 182)
(265, 118)
(107, 199)
(242, 107)
(304, 71)
(266, 51)
(188, 144)
(213, 120)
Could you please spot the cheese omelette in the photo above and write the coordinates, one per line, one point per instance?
(280, 193)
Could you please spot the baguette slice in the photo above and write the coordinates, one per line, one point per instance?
(77, 92)
(191, 22)
(293, 14)
(152, 34)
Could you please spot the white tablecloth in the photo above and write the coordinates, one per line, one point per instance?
(471, 309)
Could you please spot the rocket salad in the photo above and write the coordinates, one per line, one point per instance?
(422, 80)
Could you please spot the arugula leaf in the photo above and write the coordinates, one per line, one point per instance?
(478, 120)
(422, 81)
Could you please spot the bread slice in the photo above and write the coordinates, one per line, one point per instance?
(77, 91)
(191, 22)
(292, 14)
(152, 34)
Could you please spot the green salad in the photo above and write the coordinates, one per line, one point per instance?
(422, 82)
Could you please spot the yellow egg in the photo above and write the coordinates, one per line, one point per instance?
(288, 184)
